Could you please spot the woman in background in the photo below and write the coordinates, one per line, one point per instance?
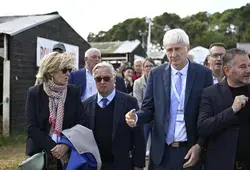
(52, 106)
(127, 75)
(139, 89)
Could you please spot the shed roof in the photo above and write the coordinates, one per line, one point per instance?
(15, 24)
(157, 55)
(119, 47)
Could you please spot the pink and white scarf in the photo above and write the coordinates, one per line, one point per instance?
(59, 93)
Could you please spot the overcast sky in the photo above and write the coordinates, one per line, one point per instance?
(95, 15)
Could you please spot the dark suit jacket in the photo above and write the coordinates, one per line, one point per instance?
(157, 100)
(126, 140)
(37, 116)
(217, 122)
(78, 78)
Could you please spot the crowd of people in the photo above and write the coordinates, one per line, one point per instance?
(180, 115)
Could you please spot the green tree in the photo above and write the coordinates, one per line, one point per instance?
(229, 27)
(246, 34)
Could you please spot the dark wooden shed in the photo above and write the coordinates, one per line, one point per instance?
(24, 40)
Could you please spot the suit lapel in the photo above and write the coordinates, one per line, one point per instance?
(66, 106)
(226, 93)
(167, 88)
(44, 108)
(144, 83)
(119, 103)
(191, 74)
(92, 112)
(83, 80)
(248, 90)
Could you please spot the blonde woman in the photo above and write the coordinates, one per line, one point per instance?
(52, 106)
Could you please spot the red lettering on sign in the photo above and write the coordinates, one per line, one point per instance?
(44, 51)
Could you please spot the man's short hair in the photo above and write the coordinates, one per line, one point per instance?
(138, 61)
(228, 58)
(59, 47)
(91, 51)
(175, 36)
(218, 45)
(106, 65)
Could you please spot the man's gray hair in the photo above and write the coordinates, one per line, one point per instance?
(138, 60)
(91, 51)
(175, 36)
(228, 58)
(104, 65)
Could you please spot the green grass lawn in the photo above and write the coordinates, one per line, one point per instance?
(12, 151)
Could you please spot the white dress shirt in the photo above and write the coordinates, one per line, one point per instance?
(180, 127)
(110, 97)
(90, 86)
(215, 80)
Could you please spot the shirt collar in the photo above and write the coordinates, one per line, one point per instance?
(182, 71)
(88, 72)
(215, 80)
(110, 97)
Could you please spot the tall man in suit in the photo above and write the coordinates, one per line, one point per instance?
(172, 99)
(121, 147)
(224, 116)
(84, 79)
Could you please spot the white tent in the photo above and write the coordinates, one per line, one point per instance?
(199, 54)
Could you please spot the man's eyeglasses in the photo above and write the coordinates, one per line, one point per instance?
(104, 78)
(217, 55)
(65, 70)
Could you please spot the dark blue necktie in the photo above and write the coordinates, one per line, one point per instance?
(104, 102)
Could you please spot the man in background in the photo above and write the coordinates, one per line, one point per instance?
(217, 51)
(59, 47)
(83, 78)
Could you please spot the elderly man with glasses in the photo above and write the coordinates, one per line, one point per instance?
(121, 147)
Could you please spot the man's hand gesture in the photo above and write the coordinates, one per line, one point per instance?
(130, 118)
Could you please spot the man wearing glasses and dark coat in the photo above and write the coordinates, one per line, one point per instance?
(121, 147)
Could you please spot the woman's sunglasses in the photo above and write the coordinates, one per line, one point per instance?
(105, 78)
(65, 70)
